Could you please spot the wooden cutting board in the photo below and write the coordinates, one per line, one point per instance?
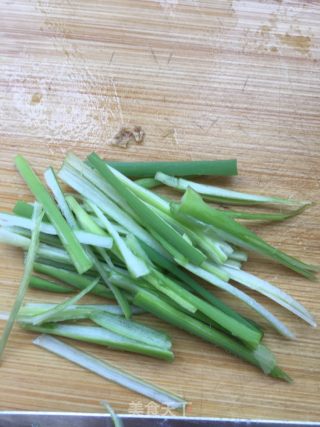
(205, 80)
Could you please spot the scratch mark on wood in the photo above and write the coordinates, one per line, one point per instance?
(169, 132)
(198, 126)
(175, 136)
(169, 58)
(111, 58)
(172, 132)
(245, 84)
(117, 100)
(155, 57)
(213, 122)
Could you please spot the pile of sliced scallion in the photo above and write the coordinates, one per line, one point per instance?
(115, 238)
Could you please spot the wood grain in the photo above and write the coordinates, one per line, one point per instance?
(205, 80)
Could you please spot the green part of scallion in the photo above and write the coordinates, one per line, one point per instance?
(50, 253)
(68, 239)
(73, 279)
(193, 285)
(264, 216)
(85, 220)
(71, 312)
(53, 184)
(233, 232)
(98, 335)
(46, 285)
(134, 244)
(30, 258)
(44, 238)
(78, 182)
(136, 266)
(242, 296)
(147, 196)
(166, 312)
(176, 297)
(131, 329)
(222, 195)
(87, 223)
(22, 208)
(87, 173)
(243, 332)
(177, 168)
(118, 294)
(281, 375)
(147, 183)
(51, 313)
(150, 219)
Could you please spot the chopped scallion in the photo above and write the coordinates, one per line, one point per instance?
(30, 258)
(68, 239)
(109, 372)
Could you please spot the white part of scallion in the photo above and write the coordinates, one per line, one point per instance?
(14, 239)
(238, 255)
(136, 266)
(52, 253)
(52, 183)
(4, 316)
(52, 312)
(264, 287)
(233, 264)
(88, 190)
(251, 302)
(84, 237)
(117, 422)
(131, 329)
(226, 195)
(143, 193)
(109, 372)
(266, 358)
(95, 178)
